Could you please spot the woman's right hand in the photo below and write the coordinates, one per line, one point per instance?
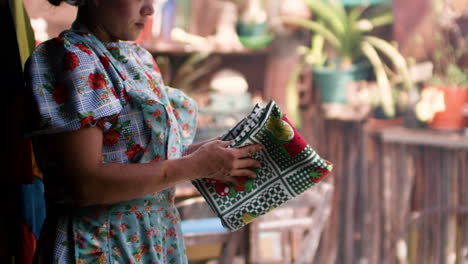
(216, 161)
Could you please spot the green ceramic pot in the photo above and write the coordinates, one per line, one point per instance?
(332, 82)
(251, 29)
(366, 2)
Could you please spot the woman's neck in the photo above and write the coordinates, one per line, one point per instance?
(85, 18)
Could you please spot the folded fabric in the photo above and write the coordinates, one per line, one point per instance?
(289, 167)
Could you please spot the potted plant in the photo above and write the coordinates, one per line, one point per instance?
(444, 97)
(344, 48)
(252, 26)
(452, 81)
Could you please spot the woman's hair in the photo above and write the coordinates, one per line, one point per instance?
(71, 2)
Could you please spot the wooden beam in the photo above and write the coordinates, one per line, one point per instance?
(424, 137)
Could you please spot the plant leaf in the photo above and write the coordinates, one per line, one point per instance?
(386, 97)
(394, 56)
(330, 14)
(315, 27)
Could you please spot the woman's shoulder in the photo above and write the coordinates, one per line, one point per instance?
(143, 53)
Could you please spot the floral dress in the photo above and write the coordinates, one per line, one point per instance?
(76, 81)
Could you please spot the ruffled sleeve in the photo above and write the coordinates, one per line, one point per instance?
(70, 87)
(184, 108)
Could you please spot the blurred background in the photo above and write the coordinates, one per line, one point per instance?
(378, 87)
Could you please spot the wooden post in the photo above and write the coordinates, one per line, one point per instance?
(414, 30)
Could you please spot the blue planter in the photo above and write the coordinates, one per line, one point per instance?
(332, 82)
(251, 30)
(366, 2)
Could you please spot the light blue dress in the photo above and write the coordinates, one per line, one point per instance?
(76, 81)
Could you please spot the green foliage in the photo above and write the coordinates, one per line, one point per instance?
(344, 35)
(446, 57)
(454, 76)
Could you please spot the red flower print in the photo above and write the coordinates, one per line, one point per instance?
(148, 123)
(171, 232)
(157, 91)
(169, 215)
(109, 48)
(186, 104)
(71, 61)
(147, 208)
(119, 215)
(150, 102)
(59, 93)
(186, 133)
(111, 137)
(154, 230)
(138, 256)
(83, 48)
(143, 249)
(173, 149)
(149, 233)
(102, 123)
(138, 215)
(96, 252)
(158, 248)
(134, 208)
(191, 111)
(124, 75)
(79, 238)
(123, 227)
(185, 126)
(134, 238)
(133, 150)
(157, 158)
(157, 113)
(114, 92)
(152, 84)
(105, 62)
(87, 120)
(176, 113)
(125, 96)
(96, 81)
(170, 250)
(170, 197)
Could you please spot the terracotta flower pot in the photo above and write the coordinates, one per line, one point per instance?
(452, 118)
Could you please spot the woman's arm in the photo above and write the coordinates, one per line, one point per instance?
(79, 154)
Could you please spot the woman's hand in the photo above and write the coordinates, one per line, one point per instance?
(215, 160)
(193, 147)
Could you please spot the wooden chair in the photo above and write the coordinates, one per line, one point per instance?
(201, 226)
(298, 224)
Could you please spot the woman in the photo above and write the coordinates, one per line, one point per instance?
(112, 141)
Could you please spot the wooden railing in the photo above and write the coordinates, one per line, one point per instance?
(401, 196)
